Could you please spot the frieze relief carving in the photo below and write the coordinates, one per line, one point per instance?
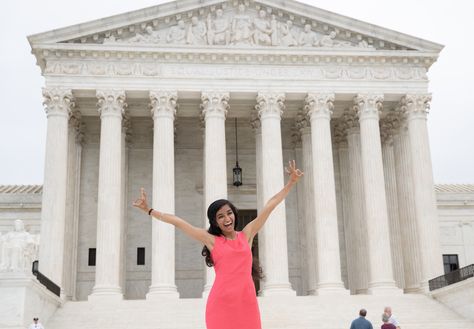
(320, 72)
(241, 25)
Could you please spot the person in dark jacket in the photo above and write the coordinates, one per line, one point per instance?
(361, 322)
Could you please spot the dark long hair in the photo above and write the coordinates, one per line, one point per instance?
(214, 229)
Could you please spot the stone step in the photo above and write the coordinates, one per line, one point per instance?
(308, 312)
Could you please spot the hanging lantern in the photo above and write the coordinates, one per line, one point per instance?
(237, 171)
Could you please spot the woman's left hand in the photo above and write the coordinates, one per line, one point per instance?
(293, 172)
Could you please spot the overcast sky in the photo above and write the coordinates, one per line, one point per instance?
(450, 123)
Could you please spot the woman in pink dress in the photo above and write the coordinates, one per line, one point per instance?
(232, 302)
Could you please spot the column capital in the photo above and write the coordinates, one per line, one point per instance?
(58, 101)
(255, 122)
(214, 103)
(127, 128)
(340, 133)
(351, 121)
(415, 105)
(389, 126)
(111, 102)
(319, 105)
(270, 104)
(163, 103)
(368, 106)
(75, 122)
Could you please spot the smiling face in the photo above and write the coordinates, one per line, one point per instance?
(225, 219)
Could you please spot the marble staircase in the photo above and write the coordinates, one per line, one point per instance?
(322, 312)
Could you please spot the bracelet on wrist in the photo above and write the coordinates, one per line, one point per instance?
(149, 211)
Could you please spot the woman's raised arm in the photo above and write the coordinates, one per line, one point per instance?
(196, 233)
(252, 228)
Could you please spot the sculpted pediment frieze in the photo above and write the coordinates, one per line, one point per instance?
(236, 24)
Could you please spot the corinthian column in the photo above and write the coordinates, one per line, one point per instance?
(111, 105)
(309, 220)
(406, 208)
(416, 108)
(357, 205)
(270, 106)
(163, 109)
(75, 140)
(387, 129)
(214, 110)
(380, 260)
(59, 103)
(319, 109)
(340, 139)
(257, 127)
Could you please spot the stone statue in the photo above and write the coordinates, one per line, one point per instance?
(263, 30)
(197, 32)
(218, 30)
(288, 39)
(149, 36)
(19, 249)
(308, 38)
(241, 27)
(329, 41)
(177, 33)
(110, 39)
(274, 27)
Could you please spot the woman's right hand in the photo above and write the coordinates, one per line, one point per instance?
(141, 203)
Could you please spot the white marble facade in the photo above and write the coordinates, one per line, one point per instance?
(150, 100)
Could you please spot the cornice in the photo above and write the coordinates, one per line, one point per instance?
(51, 54)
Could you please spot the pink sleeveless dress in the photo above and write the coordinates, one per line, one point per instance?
(232, 303)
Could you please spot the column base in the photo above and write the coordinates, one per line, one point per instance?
(106, 294)
(384, 289)
(413, 290)
(277, 289)
(164, 291)
(325, 289)
(363, 291)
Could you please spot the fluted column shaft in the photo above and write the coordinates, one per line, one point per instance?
(75, 139)
(214, 110)
(109, 204)
(357, 206)
(416, 108)
(59, 103)
(347, 215)
(163, 109)
(270, 107)
(406, 210)
(257, 127)
(392, 201)
(319, 109)
(380, 260)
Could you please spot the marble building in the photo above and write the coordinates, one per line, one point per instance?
(150, 98)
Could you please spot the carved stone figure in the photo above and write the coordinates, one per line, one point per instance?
(287, 39)
(241, 27)
(218, 30)
(274, 27)
(197, 32)
(19, 249)
(110, 39)
(328, 40)
(263, 30)
(308, 38)
(149, 36)
(177, 33)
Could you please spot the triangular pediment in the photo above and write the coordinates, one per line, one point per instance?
(235, 24)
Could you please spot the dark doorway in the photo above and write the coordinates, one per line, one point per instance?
(245, 217)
